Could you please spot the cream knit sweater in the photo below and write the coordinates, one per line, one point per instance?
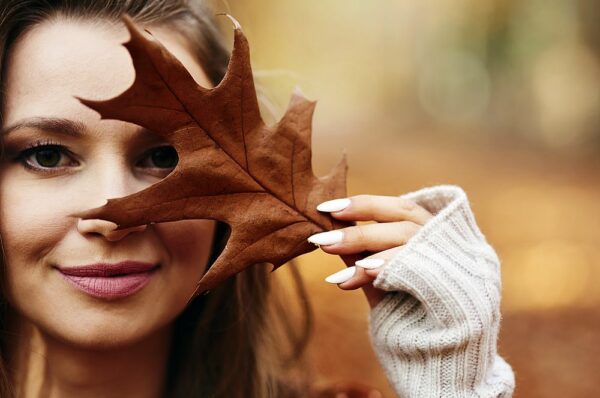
(435, 332)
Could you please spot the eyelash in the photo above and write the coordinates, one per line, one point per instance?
(31, 149)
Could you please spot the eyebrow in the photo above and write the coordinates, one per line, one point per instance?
(63, 126)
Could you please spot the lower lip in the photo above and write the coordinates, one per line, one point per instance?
(113, 287)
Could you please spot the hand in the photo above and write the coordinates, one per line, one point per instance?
(396, 221)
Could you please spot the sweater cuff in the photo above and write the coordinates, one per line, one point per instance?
(447, 265)
(435, 333)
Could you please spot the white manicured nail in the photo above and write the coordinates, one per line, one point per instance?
(370, 263)
(341, 276)
(327, 238)
(334, 205)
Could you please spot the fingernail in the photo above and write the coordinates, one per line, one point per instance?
(334, 205)
(341, 276)
(370, 263)
(326, 238)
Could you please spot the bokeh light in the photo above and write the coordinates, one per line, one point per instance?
(501, 97)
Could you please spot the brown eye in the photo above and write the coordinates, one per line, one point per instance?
(164, 157)
(45, 158)
(48, 157)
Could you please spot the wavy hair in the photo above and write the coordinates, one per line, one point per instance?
(239, 340)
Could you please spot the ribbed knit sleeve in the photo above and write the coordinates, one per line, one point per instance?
(435, 332)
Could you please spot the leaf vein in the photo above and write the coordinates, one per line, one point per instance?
(191, 115)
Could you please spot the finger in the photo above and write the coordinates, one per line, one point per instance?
(360, 277)
(372, 294)
(367, 269)
(354, 277)
(366, 237)
(377, 208)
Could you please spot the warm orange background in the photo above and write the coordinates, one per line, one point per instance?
(500, 97)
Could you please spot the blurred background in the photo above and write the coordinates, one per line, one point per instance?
(501, 97)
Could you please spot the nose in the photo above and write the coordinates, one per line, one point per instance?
(105, 228)
(114, 180)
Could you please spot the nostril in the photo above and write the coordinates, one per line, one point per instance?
(95, 226)
(105, 228)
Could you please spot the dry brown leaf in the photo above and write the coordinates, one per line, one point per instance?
(232, 167)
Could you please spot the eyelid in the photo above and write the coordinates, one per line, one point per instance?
(21, 156)
(155, 147)
(31, 149)
(148, 153)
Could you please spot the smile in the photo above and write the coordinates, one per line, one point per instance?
(110, 281)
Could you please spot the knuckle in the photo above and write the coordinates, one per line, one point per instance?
(408, 205)
(359, 234)
(363, 201)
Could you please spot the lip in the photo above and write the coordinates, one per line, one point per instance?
(110, 281)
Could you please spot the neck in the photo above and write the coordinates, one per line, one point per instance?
(43, 366)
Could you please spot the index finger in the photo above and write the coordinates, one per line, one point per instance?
(380, 208)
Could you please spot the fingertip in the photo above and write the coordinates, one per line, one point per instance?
(342, 276)
(359, 279)
(373, 272)
(335, 205)
(351, 284)
(337, 213)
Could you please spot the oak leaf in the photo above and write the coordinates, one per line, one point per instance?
(231, 166)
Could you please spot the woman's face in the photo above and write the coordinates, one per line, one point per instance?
(47, 67)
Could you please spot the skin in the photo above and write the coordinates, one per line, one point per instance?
(71, 344)
(393, 221)
(67, 343)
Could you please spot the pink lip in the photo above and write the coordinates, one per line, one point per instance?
(110, 281)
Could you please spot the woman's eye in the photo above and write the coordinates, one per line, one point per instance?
(44, 157)
(49, 158)
(164, 157)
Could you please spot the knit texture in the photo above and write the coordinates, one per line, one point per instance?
(435, 332)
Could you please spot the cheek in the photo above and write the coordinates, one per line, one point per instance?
(31, 221)
(31, 226)
(188, 243)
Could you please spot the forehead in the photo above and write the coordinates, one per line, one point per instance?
(60, 58)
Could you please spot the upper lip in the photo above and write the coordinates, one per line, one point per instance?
(109, 269)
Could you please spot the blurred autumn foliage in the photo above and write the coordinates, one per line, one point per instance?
(500, 97)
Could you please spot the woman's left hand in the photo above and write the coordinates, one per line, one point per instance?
(396, 221)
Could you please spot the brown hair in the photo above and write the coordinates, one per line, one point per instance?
(238, 340)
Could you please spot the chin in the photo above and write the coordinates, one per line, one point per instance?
(101, 332)
(97, 325)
